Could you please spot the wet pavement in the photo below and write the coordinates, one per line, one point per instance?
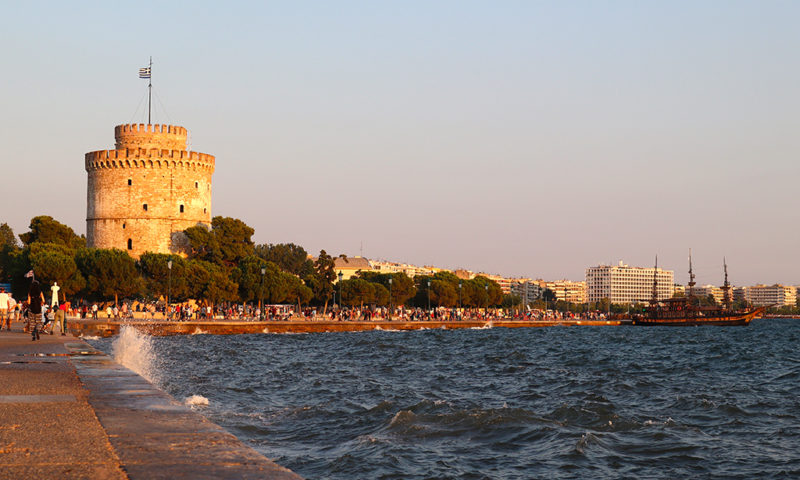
(68, 411)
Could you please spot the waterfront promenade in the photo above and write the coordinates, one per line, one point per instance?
(68, 411)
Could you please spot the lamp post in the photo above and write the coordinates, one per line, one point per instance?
(391, 307)
(429, 295)
(261, 297)
(341, 299)
(459, 294)
(169, 284)
(486, 287)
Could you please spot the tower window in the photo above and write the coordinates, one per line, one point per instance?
(123, 225)
(130, 182)
(196, 185)
(204, 210)
(130, 244)
(181, 208)
(144, 207)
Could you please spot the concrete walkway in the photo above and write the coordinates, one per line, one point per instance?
(68, 411)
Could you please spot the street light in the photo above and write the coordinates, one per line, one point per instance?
(487, 298)
(391, 307)
(459, 294)
(341, 299)
(429, 295)
(169, 287)
(261, 298)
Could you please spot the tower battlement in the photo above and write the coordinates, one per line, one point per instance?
(140, 135)
(149, 158)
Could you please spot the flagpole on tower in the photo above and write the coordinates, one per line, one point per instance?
(149, 90)
(146, 72)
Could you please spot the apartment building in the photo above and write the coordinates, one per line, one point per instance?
(565, 290)
(623, 284)
(769, 295)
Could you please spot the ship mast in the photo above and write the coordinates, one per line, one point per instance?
(726, 287)
(691, 277)
(654, 299)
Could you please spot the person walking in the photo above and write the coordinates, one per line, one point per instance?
(4, 315)
(35, 302)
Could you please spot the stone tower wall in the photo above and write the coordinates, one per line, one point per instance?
(122, 181)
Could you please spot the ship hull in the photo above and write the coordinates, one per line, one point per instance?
(735, 319)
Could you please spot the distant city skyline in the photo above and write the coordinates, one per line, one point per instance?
(515, 138)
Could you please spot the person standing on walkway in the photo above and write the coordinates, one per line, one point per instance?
(4, 315)
(35, 302)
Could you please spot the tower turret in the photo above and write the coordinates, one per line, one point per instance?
(143, 195)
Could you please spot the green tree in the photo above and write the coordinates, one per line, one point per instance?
(109, 273)
(160, 281)
(325, 275)
(228, 241)
(402, 287)
(7, 237)
(443, 293)
(8, 247)
(210, 282)
(233, 237)
(357, 291)
(45, 229)
(203, 244)
(52, 263)
(288, 256)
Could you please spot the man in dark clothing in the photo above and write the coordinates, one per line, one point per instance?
(35, 301)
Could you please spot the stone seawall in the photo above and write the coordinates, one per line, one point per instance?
(105, 328)
(68, 411)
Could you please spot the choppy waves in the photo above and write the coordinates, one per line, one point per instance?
(585, 402)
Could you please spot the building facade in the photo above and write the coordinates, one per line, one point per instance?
(527, 290)
(623, 284)
(771, 295)
(142, 195)
(565, 290)
(706, 290)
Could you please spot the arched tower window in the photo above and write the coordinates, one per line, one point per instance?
(130, 182)
(130, 244)
(181, 208)
(144, 207)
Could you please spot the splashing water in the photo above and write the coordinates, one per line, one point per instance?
(134, 350)
(195, 400)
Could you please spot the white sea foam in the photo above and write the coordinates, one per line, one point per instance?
(89, 337)
(199, 331)
(134, 350)
(195, 400)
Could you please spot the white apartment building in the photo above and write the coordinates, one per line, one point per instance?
(565, 290)
(767, 295)
(624, 284)
(527, 290)
(706, 290)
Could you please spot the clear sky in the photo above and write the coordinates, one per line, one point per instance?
(514, 137)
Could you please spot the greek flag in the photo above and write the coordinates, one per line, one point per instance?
(144, 72)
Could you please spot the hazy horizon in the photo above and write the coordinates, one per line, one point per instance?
(518, 138)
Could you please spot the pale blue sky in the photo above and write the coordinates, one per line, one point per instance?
(519, 138)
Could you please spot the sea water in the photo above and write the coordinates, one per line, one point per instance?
(560, 402)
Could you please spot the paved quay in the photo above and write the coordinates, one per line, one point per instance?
(68, 411)
(110, 327)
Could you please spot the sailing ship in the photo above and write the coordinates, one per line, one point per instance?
(685, 311)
